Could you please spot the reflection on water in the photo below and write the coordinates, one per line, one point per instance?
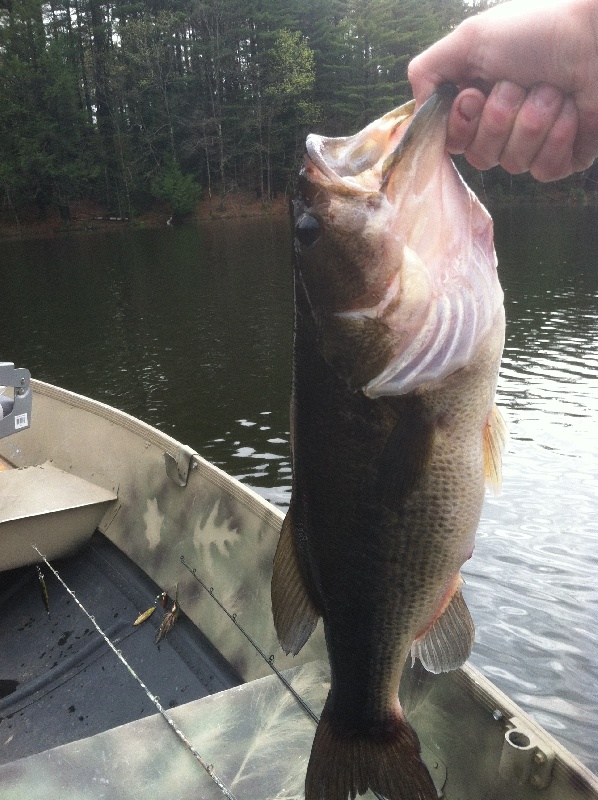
(264, 464)
(191, 331)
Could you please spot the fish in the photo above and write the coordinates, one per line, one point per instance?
(398, 334)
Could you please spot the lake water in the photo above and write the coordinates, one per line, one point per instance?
(190, 330)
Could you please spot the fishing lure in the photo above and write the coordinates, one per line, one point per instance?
(161, 598)
(146, 615)
(169, 619)
(44, 589)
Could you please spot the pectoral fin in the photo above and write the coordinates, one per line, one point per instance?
(405, 456)
(295, 614)
(447, 644)
(495, 442)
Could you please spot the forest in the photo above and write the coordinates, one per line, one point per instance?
(132, 104)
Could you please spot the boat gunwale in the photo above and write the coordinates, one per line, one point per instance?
(171, 446)
(484, 692)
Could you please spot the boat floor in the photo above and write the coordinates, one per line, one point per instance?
(60, 682)
(74, 723)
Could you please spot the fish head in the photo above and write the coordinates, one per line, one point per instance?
(394, 253)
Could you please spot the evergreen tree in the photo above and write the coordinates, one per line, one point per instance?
(47, 148)
(124, 101)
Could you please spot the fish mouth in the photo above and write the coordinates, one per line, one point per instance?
(399, 141)
(426, 133)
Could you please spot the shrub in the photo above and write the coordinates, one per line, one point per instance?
(181, 192)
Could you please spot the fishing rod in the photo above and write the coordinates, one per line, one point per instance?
(268, 659)
(155, 701)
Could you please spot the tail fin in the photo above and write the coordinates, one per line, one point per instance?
(346, 763)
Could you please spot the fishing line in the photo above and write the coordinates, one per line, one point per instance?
(268, 659)
(172, 724)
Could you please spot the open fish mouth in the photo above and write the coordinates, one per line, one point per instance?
(356, 162)
(438, 293)
(365, 162)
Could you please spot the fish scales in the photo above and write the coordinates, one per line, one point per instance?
(399, 329)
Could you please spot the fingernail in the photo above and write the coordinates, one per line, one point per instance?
(545, 96)
(470, 107)
(508, 95)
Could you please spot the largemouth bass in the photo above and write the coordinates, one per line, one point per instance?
(399, 329)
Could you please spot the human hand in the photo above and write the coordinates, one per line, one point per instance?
(529, 78)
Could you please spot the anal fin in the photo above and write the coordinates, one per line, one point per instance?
(447, 644)
(295, 615)
(495, 442)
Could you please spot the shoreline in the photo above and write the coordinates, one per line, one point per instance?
(89, 217)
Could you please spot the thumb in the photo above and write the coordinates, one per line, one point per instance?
(446, 60)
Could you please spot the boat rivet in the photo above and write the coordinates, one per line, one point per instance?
(539, 757)
(497, 714)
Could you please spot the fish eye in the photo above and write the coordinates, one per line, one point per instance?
(307, 230)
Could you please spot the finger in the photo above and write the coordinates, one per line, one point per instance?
(555, 159)
(495, 125)
(535, 118)
(464, 119)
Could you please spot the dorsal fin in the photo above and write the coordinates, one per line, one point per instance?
(495, 442)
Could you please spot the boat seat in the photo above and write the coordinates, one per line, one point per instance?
(15, 411)
(47, 507)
